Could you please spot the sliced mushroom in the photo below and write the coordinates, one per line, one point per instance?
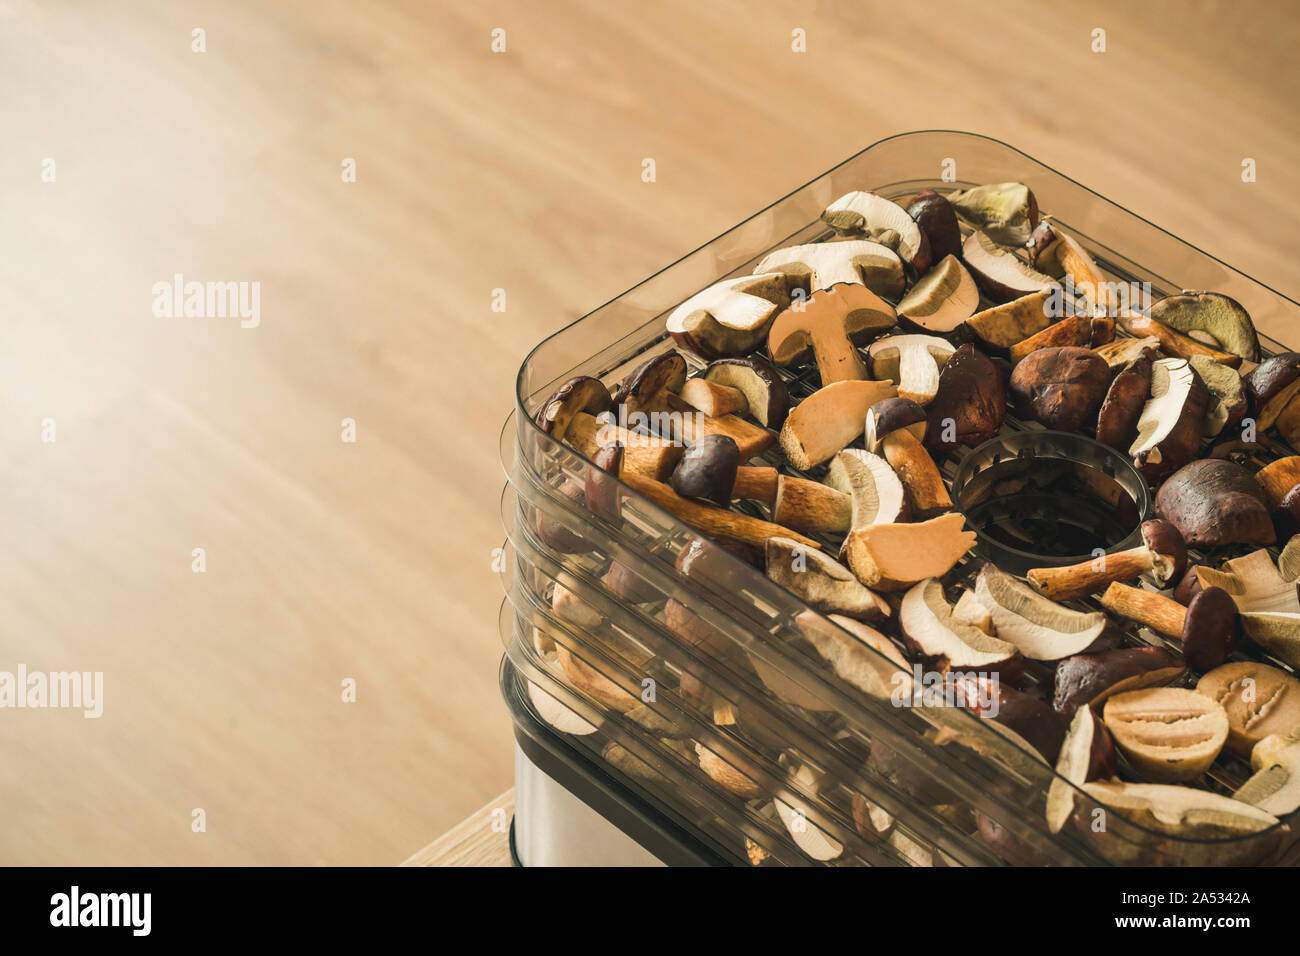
(866, 213)
(969, 609)
(1170, 426)
(1227, 396)
(642, 454)
(791, 807)
(557, 535)
(1122, 351)
(730, 317)
(1215, 503)
(1162, 554)
(823, 584)
(1002, 326)
(1183, 812)
(942, 299)
(932, 631)
(827, 326)
(871, 485)
(1279, 634)
(1125, 401)
(829, 419)
(1075, 330)
(1171, 734)
(1259, 700)
(891, 557)
(1087, 753)
(821, 266)
(1064, 256)
(859, 655)
(1061, 388)
(1088, 679)
(1271, 385)
(581, 394)
(999, 273)
(1275, 786)
(1042, 629)
(1213, 317)
(1006, 212)
(713, 400)
(1256, 585)
(641, 390)
(1172, 342)
(938, 223)
(912, 362)
(767, 399)
(970, 403)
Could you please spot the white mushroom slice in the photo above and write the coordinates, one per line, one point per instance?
(1275, 786)
(824, 264)
(999, 273)
(931, 629)
(969, 609)
(814, 841)
(1256, 586)
(913, 362)
(876, 492)
(860, 211)
(1173, 417)
(1041, 628)
(1180, 811)
(942, 299)
(829, 419)
(729, 317)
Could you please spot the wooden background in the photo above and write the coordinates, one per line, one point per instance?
(475, 171)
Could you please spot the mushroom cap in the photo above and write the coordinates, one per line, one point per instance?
(1209, 628)
(664, 371)
(1061, 387)
(708, 469)
(1117, 422)
(890, 415)
(580, 394)
(1214, 503)
(761, 384)
(1267, 380)
(602, 490)
(1168, 550)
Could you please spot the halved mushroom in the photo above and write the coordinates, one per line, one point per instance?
(871, 485)
(1076, 330)
(822, 583)
(1215, 503)
(933, 632)
(938, 223)
(767, 399)
(1259, 700)
(1061, 388)
(893, 429)
(810, 506)
(1171, 734)
(642, 454)
(581, 394)
(827, 326)
(1041, 628)
(1172, 342)
(729, 317)
(1170, 426)
(828, 419)
(1002, 326)
(942, 299)
(1088, 753)
(1126, 399)
(1227, 397)
(820, 266)
(711, 399)
(1271, 385)
(891, 415)
(891, 557)
(1184, 812)
(969, 609)
(1006, 212)
(912, 362)
(1122, 351)
(1210, 317)
(999, 273)
(1088, 679)
(1059, 254)
(866, 213)
(1275, 786)
(641, 389)
(970, 403)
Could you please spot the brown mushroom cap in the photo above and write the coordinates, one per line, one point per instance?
(1117, 422)
(1209, 629)
(602, 490)
(1188, 587)
(1168, 550)
(1213, 503)
(973, 394)
(1061, 387)
(890, 415)
(665, 371)
(1287, 515)
(581, 394)
(1267, 380)
(761, 384)
(938, 222)
(708, 469)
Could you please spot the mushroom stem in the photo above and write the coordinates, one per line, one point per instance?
(918, 472)
(1174, 342)
(1084, 578)
(755, 482)
(713, 521)
(1146, 607)
(642, 454)
(712, 398)
(693, 424)
(811, 506)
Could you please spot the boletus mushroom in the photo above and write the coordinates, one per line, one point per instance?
(1002, 326)
(938, 222)
(1061, 388)
(1214, 503)
(1227, 395)
(891, 557)
(1162, 554)
(1126, 399)
(822, 583)
(827, 326)
(1172, 342)
(1210, 317)
(932, 632)
(1207, 627)
(864, 213)
(1170, 426)
(1087, 753)
(1171, 734)
(912, 362)
(1259, 700)
(1087, 679)
(708, 469)
(894, 428)
(730, 317)
(1271, 385)
(1074, 330)
(942, 299)
(1042, 629)
(1006, 212)
(999, 273)
(871, 485)
(970, 403)
(1275, 786)
(829, 419)
(583, 394)
(766, 398)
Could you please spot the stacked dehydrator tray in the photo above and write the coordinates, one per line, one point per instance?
(816, 771)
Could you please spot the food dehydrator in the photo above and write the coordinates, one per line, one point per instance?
(623, 765)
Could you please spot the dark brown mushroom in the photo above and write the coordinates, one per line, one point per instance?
(766, 395)
(581, 394)
(938, 222)
(664, 372)
(1117, 422)
(603, 498)
(708, 469)
(971, 402)
(1210, 629)
(1214, 503)
(1061, 388)
(1271, 385)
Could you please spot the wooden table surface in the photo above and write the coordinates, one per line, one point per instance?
(371, 561)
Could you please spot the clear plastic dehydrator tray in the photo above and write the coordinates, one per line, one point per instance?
(828, 771)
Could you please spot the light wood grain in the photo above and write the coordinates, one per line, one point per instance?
(475, 171)
(482, 839)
